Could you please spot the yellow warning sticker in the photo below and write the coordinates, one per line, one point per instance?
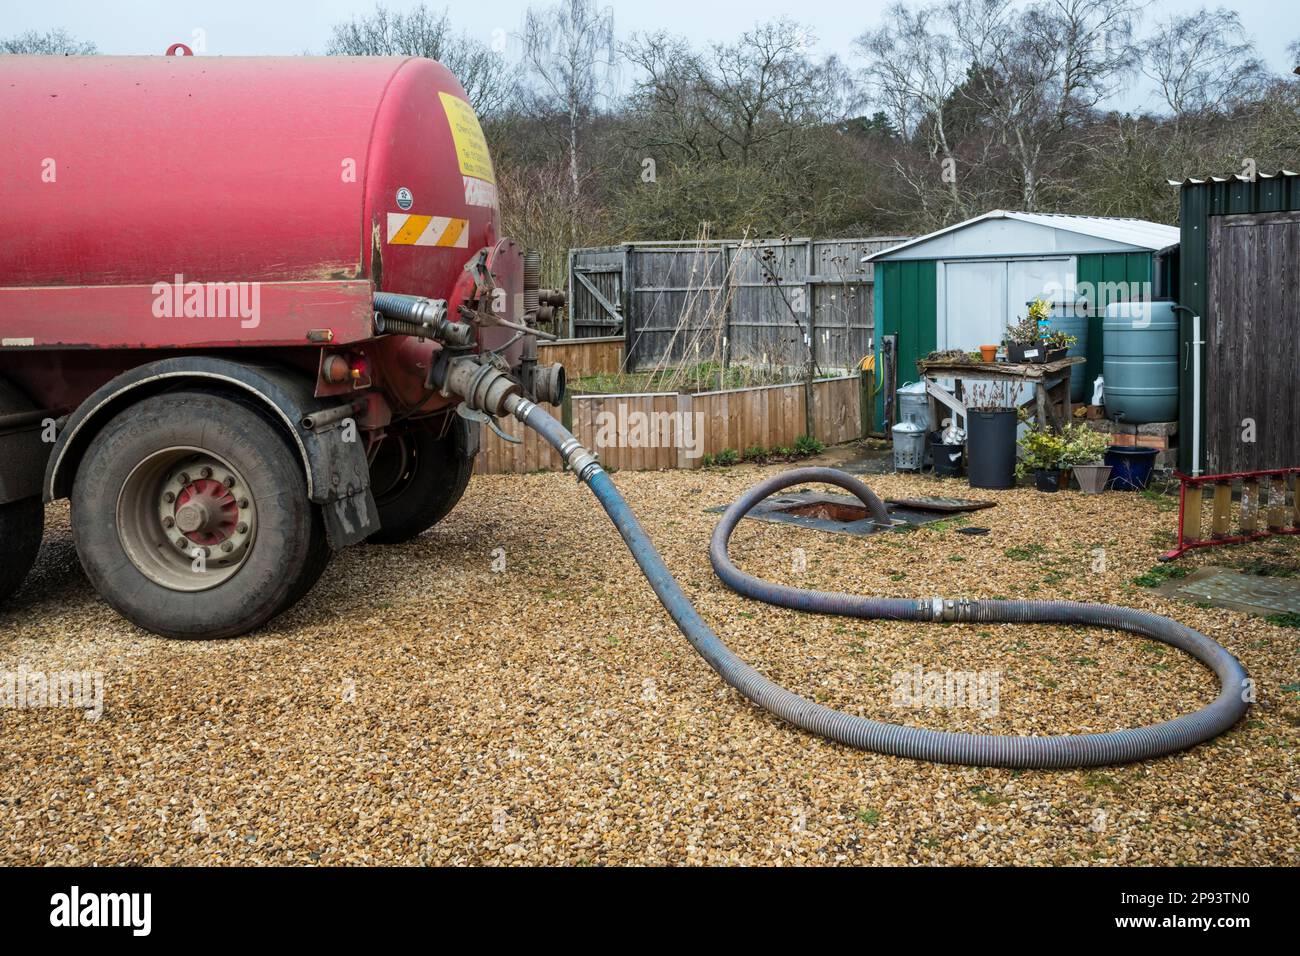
(406, 229)
(471, 147)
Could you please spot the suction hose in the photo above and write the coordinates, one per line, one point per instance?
(1079, 750)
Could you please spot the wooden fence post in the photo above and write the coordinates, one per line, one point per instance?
(685, 425)
(809, 408)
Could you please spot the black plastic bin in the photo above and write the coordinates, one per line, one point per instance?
(947, 458)
(991, 448)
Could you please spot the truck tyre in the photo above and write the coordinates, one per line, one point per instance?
(191, 517)
(21, 524)
(417, 478)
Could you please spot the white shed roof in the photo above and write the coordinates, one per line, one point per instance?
(1003, 233)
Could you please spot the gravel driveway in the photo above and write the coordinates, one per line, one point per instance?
(424, 705)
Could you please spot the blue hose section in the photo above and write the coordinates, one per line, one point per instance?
(1076, 750)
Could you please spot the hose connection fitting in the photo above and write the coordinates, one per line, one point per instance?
(416, 316)
(580, 461)
(947, 609)
(484, 387)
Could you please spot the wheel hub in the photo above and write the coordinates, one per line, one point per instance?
(186, 518)
(206, 512)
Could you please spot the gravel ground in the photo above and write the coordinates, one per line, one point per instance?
(421, 707)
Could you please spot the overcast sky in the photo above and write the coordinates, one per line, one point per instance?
(235, 27)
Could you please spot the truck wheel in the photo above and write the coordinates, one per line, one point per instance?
(191, 517)
(21, 524)
(417, 479)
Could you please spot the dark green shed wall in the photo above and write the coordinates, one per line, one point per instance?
(906, 306)
(1197, 202)
(1101, 271)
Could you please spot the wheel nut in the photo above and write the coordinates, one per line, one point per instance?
(242, 528)
(243, 502)
(230, 481)
(168, 521)
(227, 546)
(182, 543)
(183, 477)
(169, 496)
(205, 473)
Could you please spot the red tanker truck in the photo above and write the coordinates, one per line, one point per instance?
(248, 310)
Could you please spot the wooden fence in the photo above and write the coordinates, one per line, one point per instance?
(750, 302)
(647, 431)
(582, 357)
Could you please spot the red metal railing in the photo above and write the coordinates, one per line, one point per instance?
(1267, 505)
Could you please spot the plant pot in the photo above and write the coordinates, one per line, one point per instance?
(1026, 353)
(989, 353)
(947, 458)
(1092, 478)
(1047, 479)
(991, 448)
(1130, 466)
(1054, 355)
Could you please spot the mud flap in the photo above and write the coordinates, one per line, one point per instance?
(24, 455)
(350, 520)
(342, 488)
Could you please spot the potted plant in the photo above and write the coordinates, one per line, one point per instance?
(1024, 338)
(1042, 451)
(1084, 450)
(989, 353)
(1057, 344)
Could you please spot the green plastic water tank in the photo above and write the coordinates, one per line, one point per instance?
(1140, 361)
(1064, 320)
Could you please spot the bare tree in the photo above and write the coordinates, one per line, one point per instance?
(1201, 64)
(736, 101)
(569, 51)
(766, 88)
(666, 103)
(490, 81)
(914, 68)
(51, 43)
(1038, 72)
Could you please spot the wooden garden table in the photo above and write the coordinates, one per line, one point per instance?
(1050, 382)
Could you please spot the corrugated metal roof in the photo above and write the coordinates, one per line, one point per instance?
(1135, 232)
(1226, 179)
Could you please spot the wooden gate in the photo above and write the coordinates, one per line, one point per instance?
(1252, 352)
(596, 283)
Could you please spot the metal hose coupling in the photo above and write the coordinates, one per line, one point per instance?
(950, 609)
(397, 314)
(581, 462)
(483, 386)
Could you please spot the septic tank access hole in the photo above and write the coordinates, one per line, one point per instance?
(838, 514)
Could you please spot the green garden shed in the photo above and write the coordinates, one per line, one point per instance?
(959, 287)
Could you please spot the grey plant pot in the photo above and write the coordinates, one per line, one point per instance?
(1092, 478)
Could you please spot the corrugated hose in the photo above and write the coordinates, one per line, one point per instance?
(1075, 750)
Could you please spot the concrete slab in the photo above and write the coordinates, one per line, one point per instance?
(1248, 593)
